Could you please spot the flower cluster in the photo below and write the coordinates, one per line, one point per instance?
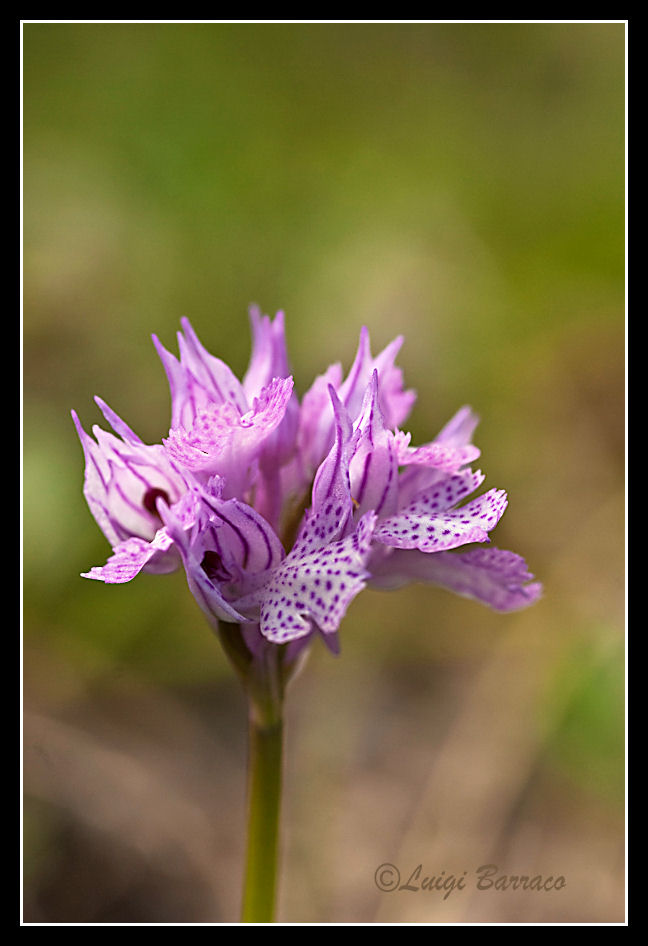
(281, 511)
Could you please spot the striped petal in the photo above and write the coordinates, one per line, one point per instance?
(374, 467)
(198, 380)
(207, 592)
(124, 478)
(332, 508)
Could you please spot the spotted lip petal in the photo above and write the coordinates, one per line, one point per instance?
(438, 456)
(449, 452)
(494, 577)
(426, 509)
(315, 586)
(425, 526)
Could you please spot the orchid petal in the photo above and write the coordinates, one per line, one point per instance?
(211, 373)
(494, 577)
(332, 507)
(206, 592)
(374, 467)
(187, 397)
(270, 360)
(223, 441)
(431, 525)
(131, 556)
(198, 380)
(458, 431)
(269, 357)
(122, 480)
(316, 419)
(246, 543)
(117, 424)
(395, 403)
(439, 456)
(316, 586)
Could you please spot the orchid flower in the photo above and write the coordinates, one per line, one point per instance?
(282, 511)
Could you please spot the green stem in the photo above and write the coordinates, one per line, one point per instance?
(264, 798)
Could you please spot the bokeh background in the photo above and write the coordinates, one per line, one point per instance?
(461, 184)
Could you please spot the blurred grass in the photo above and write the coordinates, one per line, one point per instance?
(461, 184)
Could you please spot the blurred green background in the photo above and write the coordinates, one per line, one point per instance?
(461, 184)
